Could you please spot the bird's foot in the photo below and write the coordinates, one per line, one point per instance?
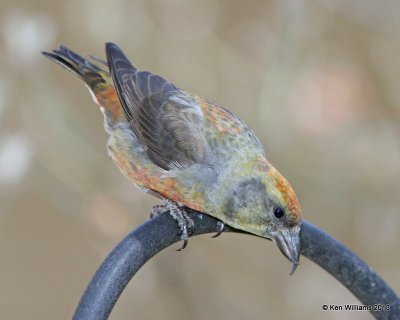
(185, 223)
(221, 229)
(179, 214)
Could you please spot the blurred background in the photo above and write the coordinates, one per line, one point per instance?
(318, 81)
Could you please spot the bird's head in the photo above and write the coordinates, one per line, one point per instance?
(267, 206)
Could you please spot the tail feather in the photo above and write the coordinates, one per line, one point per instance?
(87, 71)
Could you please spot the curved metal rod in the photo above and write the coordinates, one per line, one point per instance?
(160, 232)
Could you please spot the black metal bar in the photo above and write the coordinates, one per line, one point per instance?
(160, 232)
(348, 268)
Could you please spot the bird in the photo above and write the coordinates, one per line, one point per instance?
(188, 151)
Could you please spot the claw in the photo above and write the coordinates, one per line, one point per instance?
(221, 229)
(295, 264)
(185, 242)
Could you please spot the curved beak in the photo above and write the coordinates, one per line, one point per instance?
(288, 241)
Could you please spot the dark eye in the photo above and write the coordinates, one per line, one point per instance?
(279, 212)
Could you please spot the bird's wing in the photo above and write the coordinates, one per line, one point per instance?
(167, 121)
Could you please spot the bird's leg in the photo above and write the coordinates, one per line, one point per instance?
(221, 229)
(179, 214)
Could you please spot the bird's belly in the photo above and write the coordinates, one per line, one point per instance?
(130, 157)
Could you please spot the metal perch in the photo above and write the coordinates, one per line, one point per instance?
(160, 232)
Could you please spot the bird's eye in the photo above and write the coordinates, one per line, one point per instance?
(279, 212)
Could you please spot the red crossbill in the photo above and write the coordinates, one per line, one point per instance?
(188, 150)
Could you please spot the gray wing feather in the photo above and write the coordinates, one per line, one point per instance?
(167, 121)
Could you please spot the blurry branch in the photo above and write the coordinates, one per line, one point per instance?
(162, 231)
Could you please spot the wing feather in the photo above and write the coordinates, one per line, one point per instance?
(167, 120)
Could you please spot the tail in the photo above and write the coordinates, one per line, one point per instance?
(97, 78)
(90, 73)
